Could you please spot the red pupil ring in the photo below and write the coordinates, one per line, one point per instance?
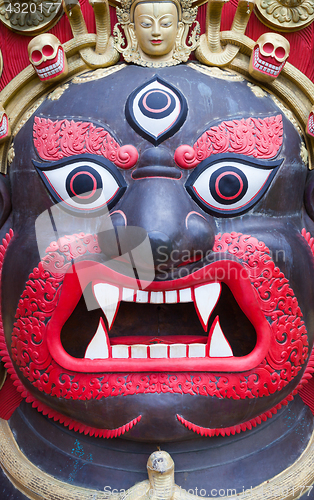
(90, 193)
(229, 185)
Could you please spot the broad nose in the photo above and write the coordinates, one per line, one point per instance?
(156, 29)
(160, 209)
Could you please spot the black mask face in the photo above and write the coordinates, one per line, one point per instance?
(158, 273)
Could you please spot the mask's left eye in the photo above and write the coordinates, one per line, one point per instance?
(230, 185)
(83, 183)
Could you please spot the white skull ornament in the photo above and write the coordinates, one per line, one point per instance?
(269, 57)
(5, 131)
(47, 56)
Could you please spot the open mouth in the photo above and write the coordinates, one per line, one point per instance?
(54, 69)
(266, 332)
(265, 67)
(186, 326)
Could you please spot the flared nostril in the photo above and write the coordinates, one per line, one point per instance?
(107, 234)
(201, 232)
(161, 247)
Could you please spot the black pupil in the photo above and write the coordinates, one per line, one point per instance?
(229, 185)
(83, 184)
(157, 100)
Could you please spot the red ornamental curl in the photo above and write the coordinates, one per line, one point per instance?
(260, 138)
(55, 140)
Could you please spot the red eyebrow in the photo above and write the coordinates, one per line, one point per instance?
(257, 137)
(59, 139)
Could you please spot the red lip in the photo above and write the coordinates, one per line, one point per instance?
(156, 42)
(86, 272)
(262, 292)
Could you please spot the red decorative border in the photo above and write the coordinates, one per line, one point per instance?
(67, 421)
(287, 353)
(236, 429)
(257, 137)
(58, 139)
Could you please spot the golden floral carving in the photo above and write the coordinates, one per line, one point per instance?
(288, 114)
(258, 91)
(26, 116)
(285, 15)
(97, 74)
(11, 154)
(30, 17)
(222, 74)
(304, 154)
(57, 93)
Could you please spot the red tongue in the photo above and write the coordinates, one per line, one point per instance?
(163, 339)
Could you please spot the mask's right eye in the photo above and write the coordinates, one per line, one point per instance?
(83, 183)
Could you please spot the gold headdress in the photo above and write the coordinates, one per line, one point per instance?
(230, 49)
(126, 41)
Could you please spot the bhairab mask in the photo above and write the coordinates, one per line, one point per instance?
(162, 281)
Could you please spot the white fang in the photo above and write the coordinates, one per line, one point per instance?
(98, 348)
(219, 346)
(107, 297)
(206, 297)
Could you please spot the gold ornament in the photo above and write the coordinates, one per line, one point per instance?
(47, 56)
(258, 91)
(221, 73)
(30, 17)
(269, 57)
(154, 34)
(103, 54)
(160, 484)
(97, 74)
(285, 15)
(210, 50)
(57, 93)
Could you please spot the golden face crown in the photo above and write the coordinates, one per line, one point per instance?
(230, 49)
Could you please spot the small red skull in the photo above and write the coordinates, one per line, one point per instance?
(269, 57)
(5, 131)
(47, 56)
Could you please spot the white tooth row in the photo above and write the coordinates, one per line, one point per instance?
(205, 298)
(264, 66)
(4, 126)
(54, 68)
(99, 348)
(169, 297)
(158, 351)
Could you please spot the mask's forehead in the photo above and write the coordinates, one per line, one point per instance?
(209, 101)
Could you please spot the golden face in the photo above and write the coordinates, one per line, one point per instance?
(156, 28)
